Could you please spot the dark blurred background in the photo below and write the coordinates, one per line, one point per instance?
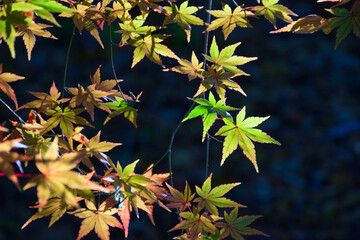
(306, 189)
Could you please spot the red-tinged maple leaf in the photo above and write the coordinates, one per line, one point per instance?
(97, 219)
(84, 18)
(56, 177)
(213, 198)
(45, 101)
(124, 214)
(236, 226)
(29, 33)
(7, 158)
(89, 98)
(5, 79)
(55, 207)
(308, 24)
(158, 179)
(178, 199)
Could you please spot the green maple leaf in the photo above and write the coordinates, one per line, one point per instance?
(122, 106)
(97, 219)
(271, 10)
(236, 226)
(213, 198)
(241, 133)
(149, 46)
(197, 224)
(133, 28)
(210, 110)
(183, 16)
(193, 69)
(228, 19)
(225, 58)
(55, 207)
(66, 119)
(345, 21)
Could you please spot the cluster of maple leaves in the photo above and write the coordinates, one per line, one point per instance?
(52, 139)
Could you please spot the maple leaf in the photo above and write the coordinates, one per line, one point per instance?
(7, 158)
(345, 20)
(45, 101)
(65, 118)
(178, 199)
(106, 85)
(89, 98)
(120, 10)
(5, 79)
(157, 180)
(197, 224)
(307, 24)
(271, 10)
(241, 133)
(183, 16)
(236, 226)
(57, 178)
(133, 28)
(193, 69)
(220, 80)
(225, 58)
(213, 198)
(55, 207)
(228, 19)
(29, 36)
(340, 2)
(84, 18)
(149, 46)
(97, 219)
(122, 106)
(94, 147)
(209, 109)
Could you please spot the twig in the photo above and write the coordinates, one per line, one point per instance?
(20, 119)
(112, 63)
(66, 64)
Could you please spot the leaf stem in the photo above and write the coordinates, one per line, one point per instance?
(207, 156)
(66, 65)
(112, 63)
(19, 175)
(20, 119)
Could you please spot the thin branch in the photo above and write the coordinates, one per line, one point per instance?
(235, 3)
(20, 175)
(66, 64)
(20, 119)
(112, 63)
(172, 140)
